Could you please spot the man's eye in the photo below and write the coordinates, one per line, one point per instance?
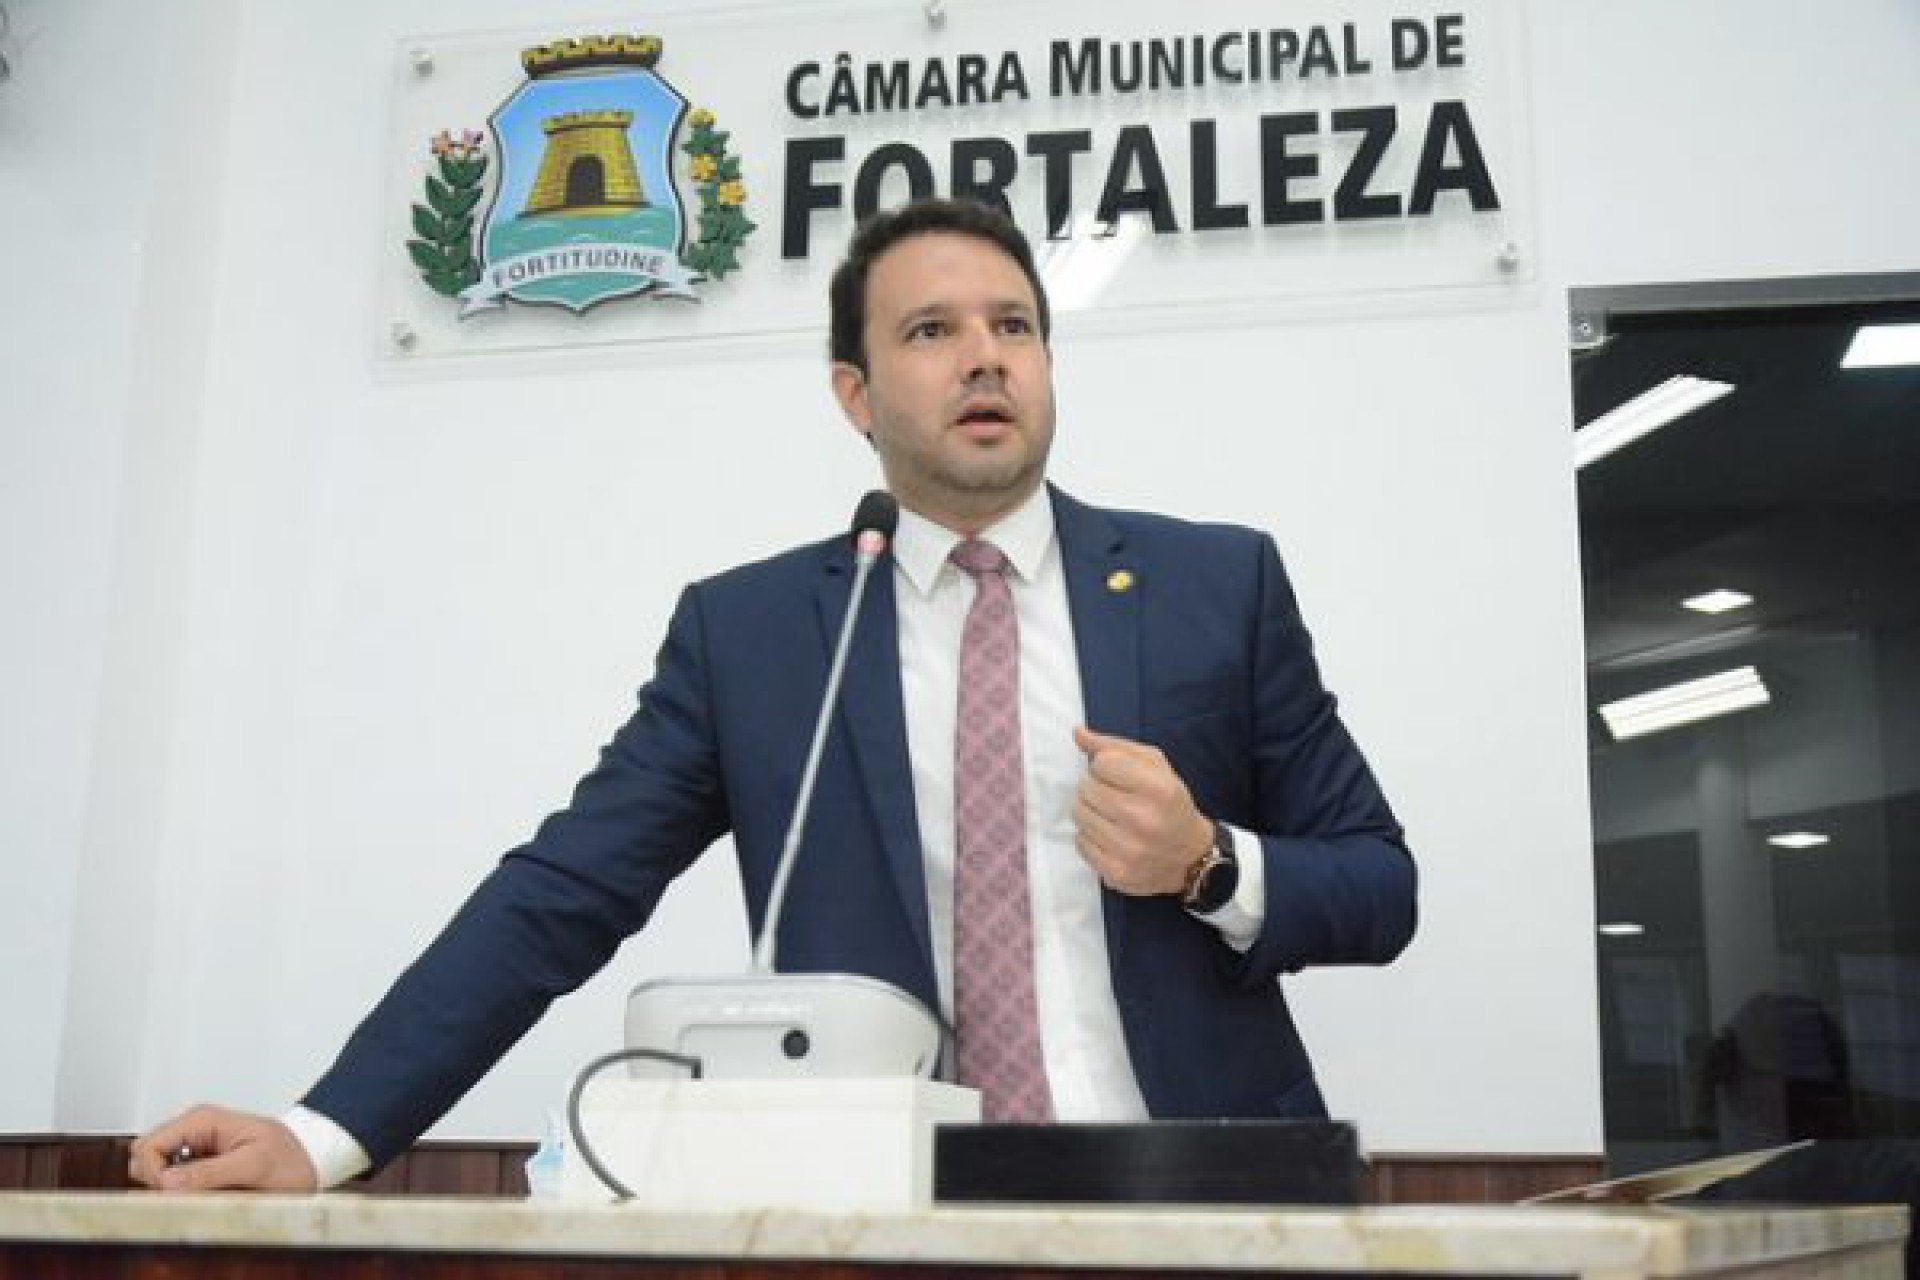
(926, 329)
(1015, 324)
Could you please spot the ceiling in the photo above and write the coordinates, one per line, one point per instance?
(1801, 488)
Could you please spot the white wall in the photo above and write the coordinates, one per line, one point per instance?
(97, 376)
(321, 646)
(1723, 139)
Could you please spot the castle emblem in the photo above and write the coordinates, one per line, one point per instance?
(584, 207)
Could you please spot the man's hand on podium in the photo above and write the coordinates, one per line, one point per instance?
(214, 1149)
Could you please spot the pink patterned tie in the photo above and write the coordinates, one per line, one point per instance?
(993, 1003)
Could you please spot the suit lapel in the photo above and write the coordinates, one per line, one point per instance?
(1103, 596)
(873, 714)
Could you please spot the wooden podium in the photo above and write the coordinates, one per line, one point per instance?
(62, 1235)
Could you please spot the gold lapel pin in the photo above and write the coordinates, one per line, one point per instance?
(1119, 580)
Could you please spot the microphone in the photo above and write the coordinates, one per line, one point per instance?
(808, 1025)
(874, 521)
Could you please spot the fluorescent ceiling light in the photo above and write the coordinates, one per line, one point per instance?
(1720, 600)
(1623, 929)
(1648, 411)
(1883, 346)
(1684, 703)
(1798, 840)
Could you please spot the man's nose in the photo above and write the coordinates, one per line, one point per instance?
(984, 352)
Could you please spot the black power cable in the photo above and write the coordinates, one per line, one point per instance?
(587, 1073)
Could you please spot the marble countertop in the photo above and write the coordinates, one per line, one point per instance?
(1510, 1240)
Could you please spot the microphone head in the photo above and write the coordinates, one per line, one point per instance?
(879, 514)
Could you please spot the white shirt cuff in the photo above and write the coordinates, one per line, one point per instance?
(1240, 919)
(336, 1156)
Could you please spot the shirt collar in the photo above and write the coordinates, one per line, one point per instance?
(921, 547)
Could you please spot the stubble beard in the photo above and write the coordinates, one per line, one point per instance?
(977, 488)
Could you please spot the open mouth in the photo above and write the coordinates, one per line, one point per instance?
(984, 415)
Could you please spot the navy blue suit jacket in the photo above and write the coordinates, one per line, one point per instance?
(1203, 655)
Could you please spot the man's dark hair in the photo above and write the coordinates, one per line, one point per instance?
(847, 296)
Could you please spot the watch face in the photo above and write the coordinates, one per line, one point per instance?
(1215, 887)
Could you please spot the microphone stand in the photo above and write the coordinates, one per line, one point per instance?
(870, 544)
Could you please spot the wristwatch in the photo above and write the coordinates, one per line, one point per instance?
(1212, 879)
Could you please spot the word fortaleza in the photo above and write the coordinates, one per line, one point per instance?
(1136, 180)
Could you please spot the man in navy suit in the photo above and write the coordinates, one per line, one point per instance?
(1197, 819)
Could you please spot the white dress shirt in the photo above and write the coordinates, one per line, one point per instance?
(1088, 1070)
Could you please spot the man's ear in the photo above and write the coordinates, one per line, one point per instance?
(850, 389)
